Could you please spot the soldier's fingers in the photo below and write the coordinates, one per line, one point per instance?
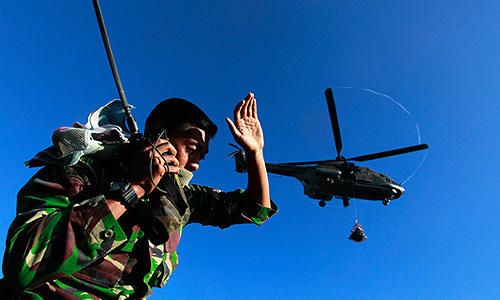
(248, 105)
(253, 109)
(167, 148)
(171, 163)
(249, 96)
(237, 111)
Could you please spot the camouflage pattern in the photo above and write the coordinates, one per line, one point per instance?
(65, 244)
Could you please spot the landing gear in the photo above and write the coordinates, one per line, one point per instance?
(386, 202)
(346, 201)
(322, 203)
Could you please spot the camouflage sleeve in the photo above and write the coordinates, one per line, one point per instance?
(56, 233)
(212, 207)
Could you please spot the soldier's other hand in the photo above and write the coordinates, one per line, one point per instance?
(246, 128)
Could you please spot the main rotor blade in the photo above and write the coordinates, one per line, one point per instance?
(233, 145)
(233, 153)
(389, 153)
(334, 119)
(303, 163)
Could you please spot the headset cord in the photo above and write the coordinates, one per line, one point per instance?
(152, 160)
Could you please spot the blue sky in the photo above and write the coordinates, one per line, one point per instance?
(440, 60)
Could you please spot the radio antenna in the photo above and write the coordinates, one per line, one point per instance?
(132, 124)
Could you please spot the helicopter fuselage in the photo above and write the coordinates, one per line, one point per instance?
(342, 180)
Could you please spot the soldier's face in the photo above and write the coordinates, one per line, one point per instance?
(191, 146)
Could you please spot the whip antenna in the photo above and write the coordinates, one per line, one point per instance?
(132, 124)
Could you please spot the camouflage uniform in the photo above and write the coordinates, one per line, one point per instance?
(66, 244)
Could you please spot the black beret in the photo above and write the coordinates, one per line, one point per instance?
(174, 115)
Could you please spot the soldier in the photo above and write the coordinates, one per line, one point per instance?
(93, 224)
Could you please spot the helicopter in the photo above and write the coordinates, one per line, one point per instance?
(339, 178)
